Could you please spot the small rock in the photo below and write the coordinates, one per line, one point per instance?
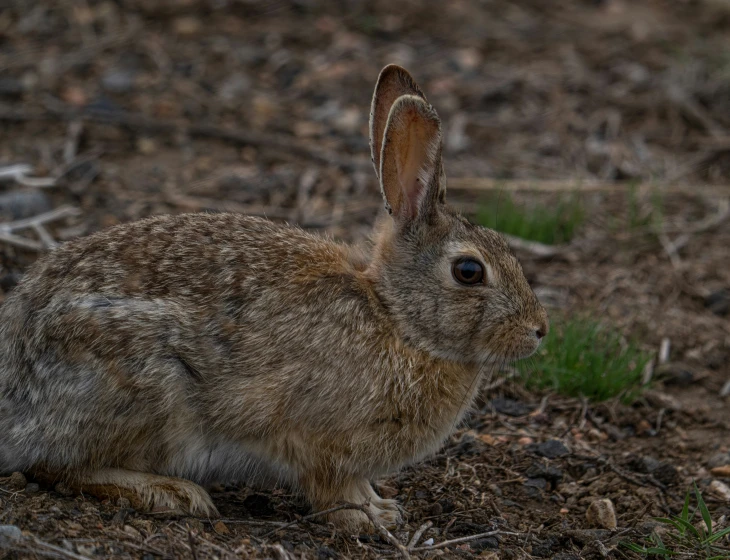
(645, 429)
(601, 513)
(187, 26)
(551, 449)
(675, 373)
(511, 407)
(487, 543)
(118, 80)
(234, 87)
(10, 87)
(435, 510)
(539, 483)
(725, 391)
(10, 532)
(547, 472)
(63, 489)
(75, 96)
(124, 503)
(221, 528)
(146, 146)
(120, 517)
(32, 488)
(720, 489)
(16, 205)
(428, 542)
(722, 471)
(17, 481)
(719, 302)
(719, 460)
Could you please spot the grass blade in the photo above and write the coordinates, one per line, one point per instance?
(703, 510)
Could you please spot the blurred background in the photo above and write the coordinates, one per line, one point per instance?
(594, 133)
(599, 126)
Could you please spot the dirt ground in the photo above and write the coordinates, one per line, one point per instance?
(128, 108)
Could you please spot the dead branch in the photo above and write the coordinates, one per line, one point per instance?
(537, 249)
(418, 534)
(7, 230)
(462, 540)
(46, 217)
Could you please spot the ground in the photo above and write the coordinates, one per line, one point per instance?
(132, 108)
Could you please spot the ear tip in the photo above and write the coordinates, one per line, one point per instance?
(417, 104)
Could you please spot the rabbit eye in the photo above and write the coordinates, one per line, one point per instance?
(468, 272)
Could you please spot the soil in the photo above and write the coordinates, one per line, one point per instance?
(130, 108)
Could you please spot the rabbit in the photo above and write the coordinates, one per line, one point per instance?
(151, 358)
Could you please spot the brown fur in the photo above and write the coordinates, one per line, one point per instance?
(207, 346)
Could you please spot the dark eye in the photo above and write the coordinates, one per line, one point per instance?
(468, 271)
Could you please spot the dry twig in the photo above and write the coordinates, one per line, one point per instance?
(461, 540)
(7, 230)
(418, 534)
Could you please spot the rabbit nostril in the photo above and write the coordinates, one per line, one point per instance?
(539, 333)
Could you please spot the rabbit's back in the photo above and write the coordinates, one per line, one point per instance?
(137, 335)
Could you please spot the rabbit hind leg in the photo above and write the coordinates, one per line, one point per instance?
(149, 492)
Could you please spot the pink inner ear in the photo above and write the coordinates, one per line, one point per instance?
(414, 163)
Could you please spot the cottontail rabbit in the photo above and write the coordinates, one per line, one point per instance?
(154, 356)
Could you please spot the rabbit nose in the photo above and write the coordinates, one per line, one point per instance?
(539, 333)
(542, 330)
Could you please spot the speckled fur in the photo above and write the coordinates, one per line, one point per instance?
(153, 356)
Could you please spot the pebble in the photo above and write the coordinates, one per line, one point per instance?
(221, 528)
(551, 474)
(551, 449)
(719, 460)
(124, 503)
(511, 407)
(486, 543)
(16, 205)
(722, 472)
(32, 488)
(601, 513)
(118, 80)
(719, 302)
(11, 532)
(17, 481)
(720, 489)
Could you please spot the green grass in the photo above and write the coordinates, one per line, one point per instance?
(582, 357)
(551, 224)
(684, 538)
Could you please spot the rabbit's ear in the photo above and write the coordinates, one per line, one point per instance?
(410, 168)
(392, 83)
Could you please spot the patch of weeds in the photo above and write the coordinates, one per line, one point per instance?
(683, 539)
(549, 224)
(583, 357)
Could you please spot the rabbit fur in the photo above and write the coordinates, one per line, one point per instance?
(152, 357)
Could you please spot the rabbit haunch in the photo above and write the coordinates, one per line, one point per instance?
(155, 356)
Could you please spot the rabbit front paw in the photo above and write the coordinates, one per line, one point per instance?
(150, 492)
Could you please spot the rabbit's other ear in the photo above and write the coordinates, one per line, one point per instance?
(393, 82)
(411, 169)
